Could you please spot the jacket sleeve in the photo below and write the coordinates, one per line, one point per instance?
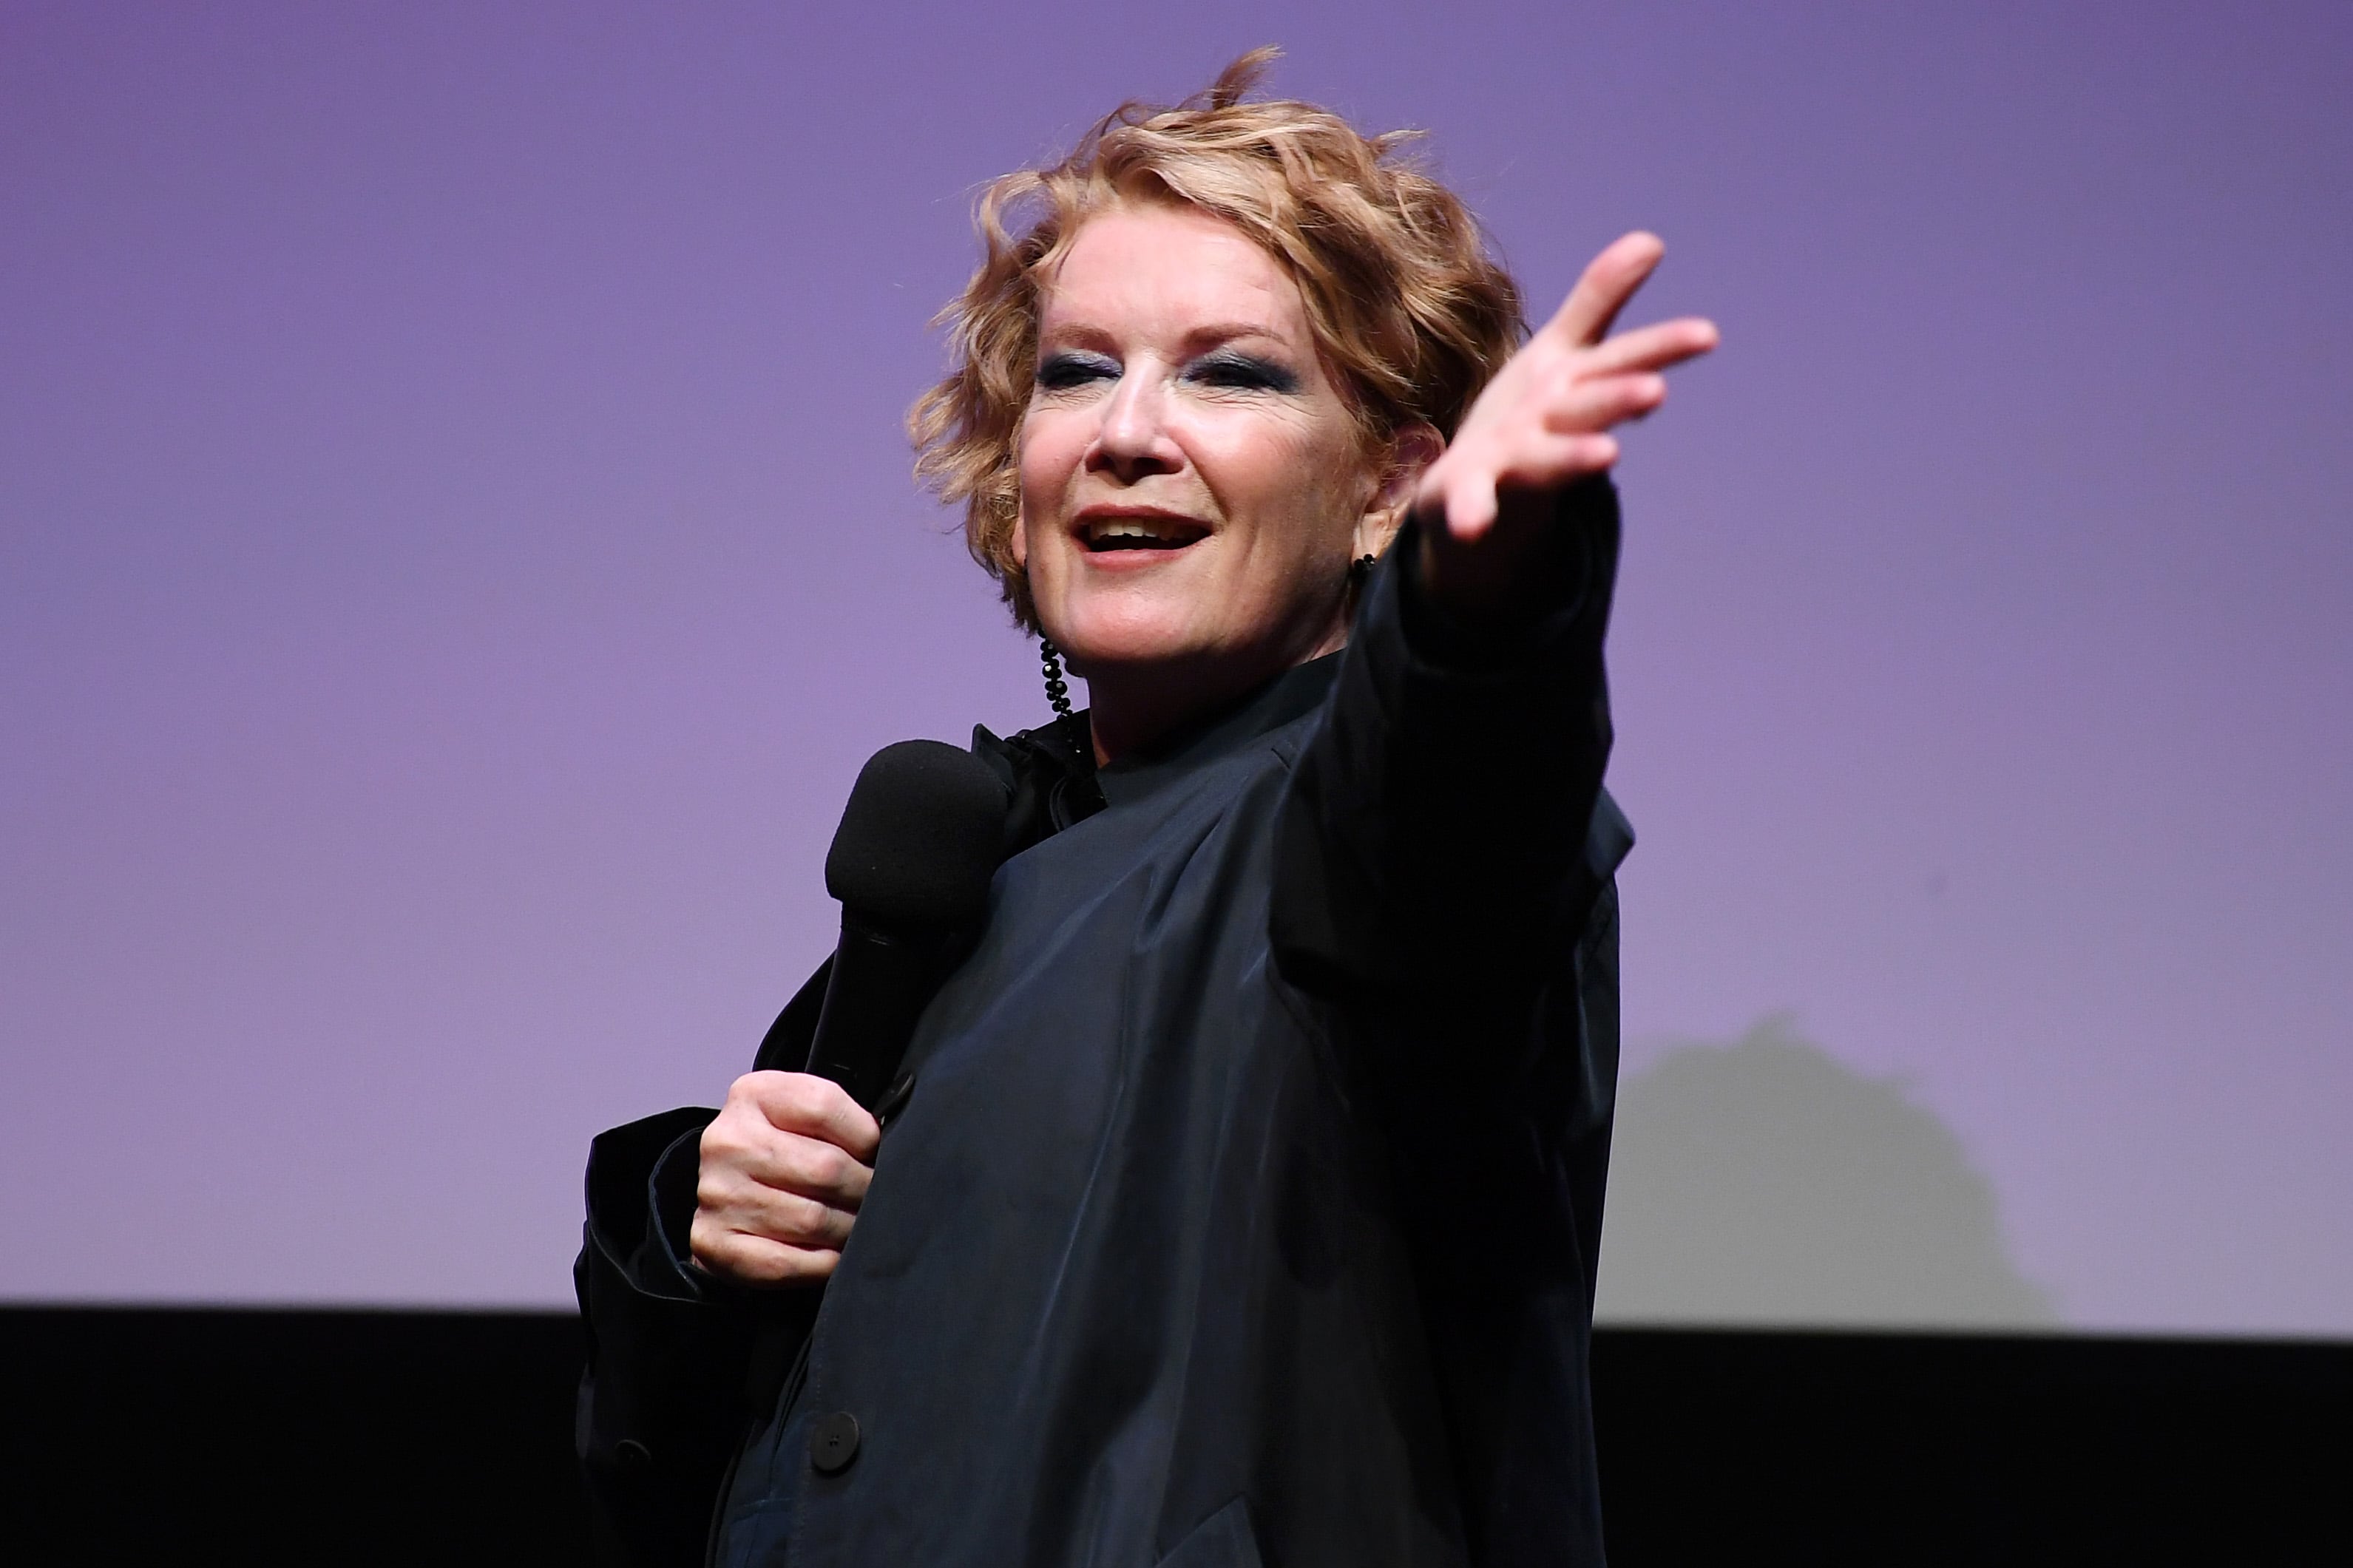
(1445, 855)
(661, 1398)
(1444, 887)
(673, 1355)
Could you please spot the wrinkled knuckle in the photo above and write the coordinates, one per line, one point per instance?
(808, 1096)
(804, 1169)
(721, 1186)
(736, 1126)
(835, 1168)
(714, 1249)
(722, 1148)
(804, 1220)
(831, 1100)
(777, 1215)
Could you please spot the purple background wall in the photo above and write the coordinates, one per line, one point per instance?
(455, 548)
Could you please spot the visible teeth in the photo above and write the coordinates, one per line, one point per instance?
(1140, 534)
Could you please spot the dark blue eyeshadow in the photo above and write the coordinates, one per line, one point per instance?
(1226, 368)
(1070, 369)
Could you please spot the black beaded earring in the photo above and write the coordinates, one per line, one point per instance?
(1058, 695)
(1359, 570)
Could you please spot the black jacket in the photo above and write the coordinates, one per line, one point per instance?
(1245, 1203)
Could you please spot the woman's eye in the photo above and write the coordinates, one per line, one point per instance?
(1060, 371)
(1241, 371)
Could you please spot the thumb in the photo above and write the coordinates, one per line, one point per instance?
(1471, 508)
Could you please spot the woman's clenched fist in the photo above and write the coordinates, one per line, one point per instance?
(784, 1167)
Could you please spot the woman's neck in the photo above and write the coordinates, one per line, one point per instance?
(1135, 708)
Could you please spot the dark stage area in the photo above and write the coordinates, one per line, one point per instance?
(146, 1436)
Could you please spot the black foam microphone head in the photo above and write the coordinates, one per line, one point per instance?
(920, 838)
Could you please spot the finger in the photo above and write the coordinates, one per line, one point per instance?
(797, 1221)
(1550, 460)
(1650, 348)
(735, 1202)
(1608, 281)
(757, 1260)
(1590, 405)
(782, 1217)
(815, 1107)
(1471, 506)
(1430, 495)
(791, 1162)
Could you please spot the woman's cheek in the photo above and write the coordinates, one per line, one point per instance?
(1044, 455)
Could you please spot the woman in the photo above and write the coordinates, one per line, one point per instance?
(1242, 1201)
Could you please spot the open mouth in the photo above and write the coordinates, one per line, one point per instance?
(1105, 534)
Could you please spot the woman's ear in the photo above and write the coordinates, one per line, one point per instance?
(1410, 452)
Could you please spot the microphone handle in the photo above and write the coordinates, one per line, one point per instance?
(880, 983)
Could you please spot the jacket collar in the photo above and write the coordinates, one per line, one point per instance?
(1049, 778)
(1294, 694)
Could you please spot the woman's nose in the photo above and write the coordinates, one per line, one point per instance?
(1134, 439)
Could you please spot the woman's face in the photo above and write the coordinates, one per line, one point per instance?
(1193, 487)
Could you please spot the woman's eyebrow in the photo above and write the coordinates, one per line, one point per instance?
(1218, 333)
(1081, 336)
(1074, 335)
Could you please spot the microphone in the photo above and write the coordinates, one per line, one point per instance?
(910, 863)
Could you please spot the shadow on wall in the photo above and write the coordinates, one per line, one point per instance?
(1762, 1182)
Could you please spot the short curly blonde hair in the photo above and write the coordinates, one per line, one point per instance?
(1412, 315)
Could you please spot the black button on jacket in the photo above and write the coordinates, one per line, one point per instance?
(1245, 1203)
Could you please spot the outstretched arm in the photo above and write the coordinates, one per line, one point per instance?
(1447, 843)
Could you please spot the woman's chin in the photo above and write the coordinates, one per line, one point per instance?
(1130, 637)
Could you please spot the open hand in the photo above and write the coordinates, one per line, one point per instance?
(1543, 423)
